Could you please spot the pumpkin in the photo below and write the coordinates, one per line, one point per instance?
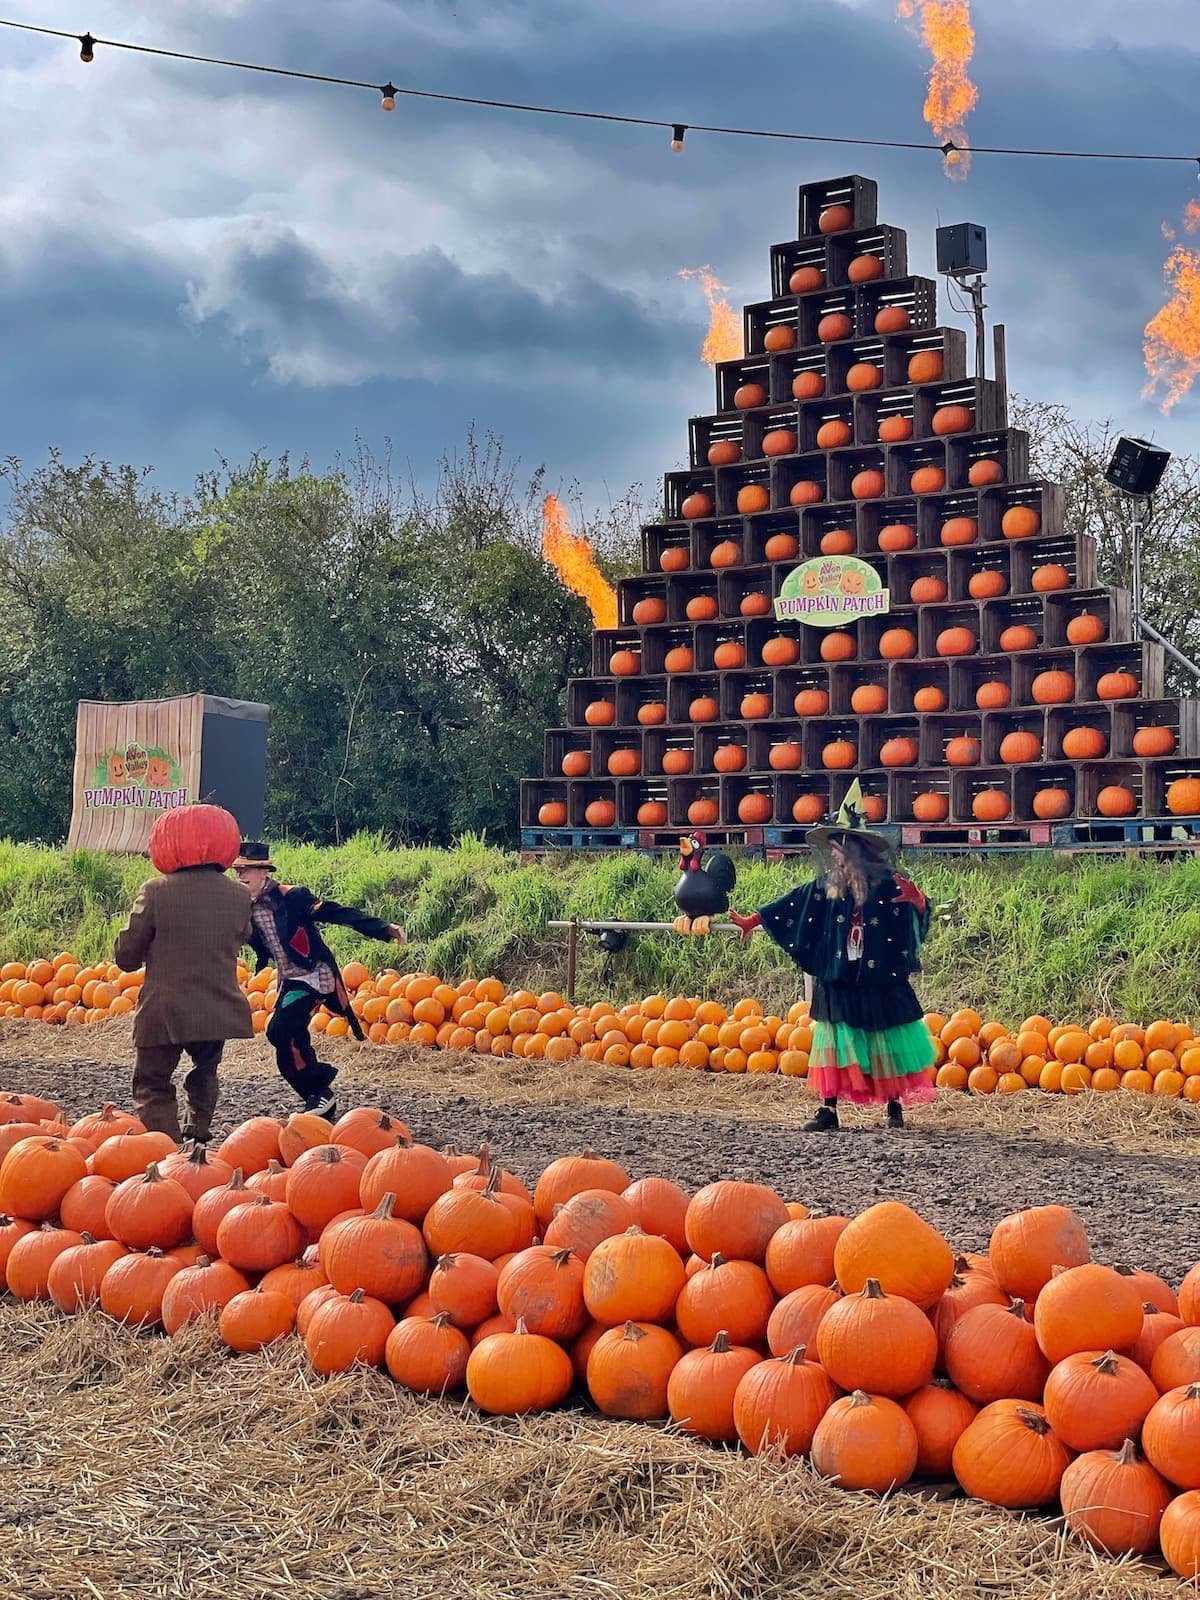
(625, 663)
(1114, 1500)
(483, 1222)
(868, 485)
(833, 434)
(464, 1287)
(575, 764)
(101, 1125)
(150, 1210)
(196, 1291)
(721, 453)
(808, 385)
(1095, 1402)
(897, 644)
(956, 641)
(1189, 1296)
(600, 714)
(940, 1417)
(652, 814)
(256, 1318)
(787, 756)
(864, 376)
(696, 505)
(1116, 686)
(212, 1208)
(930, 807)
(749, 395)
(804, 280)
(797, 1318)
(1053, 688)
(928, 591)
(625, 763)
(1020, 636)
(835, 219)
(811, 703)
(1020, 746)
(259, 1235)
(991, 805)
(781, 547)
(545, 1288)
(959, 531)
(751, 497)
(779, 1403)
(703, 813)
(571, 1175)
(865, 1442)
(132, 1289)
(1152, 1288)
(1183, 797)
(1021, 522)
(1115, 800)
(600, 813)
(992, 1354)
(1087, 1307)
(984, 472)
(877, 1342)
(348, 1330)
(1050, 577)
(993, 695)
(586, 1219)
(730, 1295)
(633, 1277)
(891, 1243)
(952, 419)
(874, 808)
(651, 715)
(868, 699)
(806, 493)
(927, 480)
(1176, 1361)
(31, 1256)
(702, 1386)
(780, 337)
(1169, 1435)
(1010, 1456)
(1050, 804)
(194, 836)
(833, 326)
(755, 604)
(926, 366)
(83, 1207)
(380, 1253)
(302, 1132)
(755, 706)
(895, 430)
(628, 1371)
(727, 655)
(1084, 744)
(755, 808)
(415, 1175)
(675, 558)
(1154, 741)
(899, 752)
(736, 1218)
(987, 585)
(839, 754)
(897, 536)
(808, 808)
(1086, 629)
(865, 268)
(892, 319)
(36, 1174)
(297, 1279)
(75, 1274)
(427, 1355)
(838, 646)
(1179, 1534)
(929, 698)
(838, 542)
(780, 651)
(704, 708)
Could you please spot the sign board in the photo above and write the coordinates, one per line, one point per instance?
(830, 591)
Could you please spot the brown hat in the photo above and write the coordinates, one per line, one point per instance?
(253, 853)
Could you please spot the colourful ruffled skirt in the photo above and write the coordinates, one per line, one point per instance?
(870, 1066)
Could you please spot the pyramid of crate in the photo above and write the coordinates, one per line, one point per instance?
(1003, 688)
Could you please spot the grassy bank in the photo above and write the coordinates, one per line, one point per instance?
(1067, 937)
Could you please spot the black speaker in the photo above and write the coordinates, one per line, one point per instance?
(1137, 466)
(962, 248)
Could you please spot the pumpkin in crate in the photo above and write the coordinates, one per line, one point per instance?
(838, 542)
(952, 419)
(1115, 800)
(729, 758)
(1054, 688)
(194, 836)
(756, 604)
(869, 699)
(625, 763)
(680, 658)
(552, 814)
(625, 663)
(1086, 629)
(729, 654)
(926, 366)
(600, 813)
(755, 808)
(927, 480)
(1117, 686)
(993, 695)
(808, 386)
(751, 497)
(1051, 804)
(702, 813)
(811, 703)
(930, 807)
(864, 376)
(834, 326)
(868, 485)
(701, 608)
(675, 558)
(1183, 797)
(649, 611)
(833, 434)
(676, 762)
(652, 814)
(786, 756)
(806, 493)
(576, 764)
(928, 591)
(897, 536)
(839, 647)
(892, 319)
(835, 219)
(962, 751)
(1018, 636)
(929, 698)
(781, 337)
(1049, 578)
(703, 709)
(899, 752)
(696, 505)
(780, 547)
(991, 805)
(1084, 744)
(808, 808)
(956, 641)
(959, 531)
(727, 552)
(652, 714)
(755, 705)
(1154, 741)
(1021, 522)
(897, 644)
(874, 808)
(984, 472)
(724, 453)
(780, 651)
(600, 714)
(839, 754)
(895, 430)
(987, 585)
(805, 280)
(865, 268)
(1020, 746)
(749, 396)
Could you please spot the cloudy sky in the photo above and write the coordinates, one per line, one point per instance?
(197, 263)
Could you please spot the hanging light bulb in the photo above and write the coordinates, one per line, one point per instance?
(87, 47)
(388, 91)
(677, 133)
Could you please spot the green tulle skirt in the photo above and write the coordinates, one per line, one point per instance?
(871, 1066)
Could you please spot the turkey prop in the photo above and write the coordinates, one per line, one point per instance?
(704, 887)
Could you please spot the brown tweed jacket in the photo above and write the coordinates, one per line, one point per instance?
(188, 929)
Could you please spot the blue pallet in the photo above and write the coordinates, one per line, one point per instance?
(1131, 831)
(578, 838)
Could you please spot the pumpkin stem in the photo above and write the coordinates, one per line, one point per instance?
(330, 1154)
(155, 1253)
(152, 1174)
(718, 1260)
(1192, 1391)
(384, 1208)
(562, 1258)
(485, 1160)
(444, 1263)
(795, 1355)
(962, 1266)
(275, 1168)
(1150, 1310)
(309, 1257)
(87, 1237)
(633, 1333)
(860, 1398)
(237, 1181)
(720, 1344)
(1107, 1363)
(520, 1327)
(1128, 1455)
(1017, 1309)
(1033, 1420)
(357, 1298)
(441, 1319)
(635, 1231)
(493, 1182)
(198, 1155)
(872, 1290)
(203, 1261)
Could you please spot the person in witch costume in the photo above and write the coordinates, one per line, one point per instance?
(284, 934)
(857, 928)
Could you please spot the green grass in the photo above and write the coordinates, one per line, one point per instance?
(1066, 936)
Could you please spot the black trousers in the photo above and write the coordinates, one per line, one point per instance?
(288, 1033)
(154, 1087)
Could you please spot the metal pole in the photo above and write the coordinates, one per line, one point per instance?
(980, 332)
(572, 954)
(1139, 502)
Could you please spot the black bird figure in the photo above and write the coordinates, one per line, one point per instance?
(704, 887)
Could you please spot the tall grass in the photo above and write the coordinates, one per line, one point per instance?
(1064, 935)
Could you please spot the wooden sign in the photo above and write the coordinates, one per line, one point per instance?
(830, 591)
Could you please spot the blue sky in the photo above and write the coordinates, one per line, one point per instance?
(197, 263)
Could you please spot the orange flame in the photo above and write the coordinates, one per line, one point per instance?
(723, 341)
(571, 558)
(1171, 343)
(946, 29)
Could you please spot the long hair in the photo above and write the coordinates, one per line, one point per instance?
(855, 874)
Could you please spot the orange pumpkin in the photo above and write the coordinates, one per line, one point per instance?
(869, 699)
(702, 813)
(625, 763)
(892, 319)
(811, 703)
(897, 644)
(1050, 577)
(675, 558)
(1053, 688)
(724, 453)
(952, 419)
(962, 751)
(1115, 800)
(1051, 804)
(895, 430)
(780, 651)
(600, 813)
(839, 754)
(757, 604)
(927, 480)
(808, 808)
(864, 376)
(808, 385)
(930, 807)
(652, 814)
(926, 366)
(897, 536)
(701, 608)
(874, 808)
(833, 434)
(987, 585)
(929, 698)
(751, 497)
(729, 654)
(865, 269)
(959, 530)
(649, 611)
(839, 647)
(1020, 636)
(836, 219)
(956, 641)
(1183, 797)
(755, 705)
(625, 663)
(1021, 522)
(983, 472)
(1084, 744)
(806, 493)
(600, 714)
(576, 764)
(553, 814)
(729, 758)
(1086, 629)
(990, 805)
(680, 658)
(838, 542)
(749, 395)
(928, 591)
(780, 337)
(1154, 741)
(993, 695)
(780, 442)
(755, 808)
(868, 485)
(696, 505)
(781, 547)
(652, 714)
(726, 552)
(677, 762)
(1020, 746)
(899, 752)
(703, 709)
(836, 325)
(805, 280)
(785, 757)
(1117, 686)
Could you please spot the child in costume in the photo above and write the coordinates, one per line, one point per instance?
(857, 928)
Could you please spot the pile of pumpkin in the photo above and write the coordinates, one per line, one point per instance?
(1030, 1374)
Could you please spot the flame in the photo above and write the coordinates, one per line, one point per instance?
(723, 341)
(571, 558)
(946, 29)
(1171, 343)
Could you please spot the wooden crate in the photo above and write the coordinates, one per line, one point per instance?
(860, 194)
(1113, 606)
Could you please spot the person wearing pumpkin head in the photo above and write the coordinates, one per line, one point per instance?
(187, 928)
(857, 928)
(285, 936)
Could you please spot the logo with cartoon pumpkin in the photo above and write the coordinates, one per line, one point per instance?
(829, 591)
(136, 776)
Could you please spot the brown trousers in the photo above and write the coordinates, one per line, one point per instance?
(154, 1089)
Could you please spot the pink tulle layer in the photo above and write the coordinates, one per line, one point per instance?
(853, 1084)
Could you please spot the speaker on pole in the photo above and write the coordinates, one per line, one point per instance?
(1137, 466)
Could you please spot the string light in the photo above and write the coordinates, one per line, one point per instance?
(678, 129)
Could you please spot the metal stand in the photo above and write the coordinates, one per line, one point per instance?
(1143, 512)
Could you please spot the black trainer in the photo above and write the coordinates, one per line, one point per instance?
(895, 1114)
(825, 1121)
(322, 1104)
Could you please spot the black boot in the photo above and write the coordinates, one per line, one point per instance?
(895, 1114)
(824, 1121)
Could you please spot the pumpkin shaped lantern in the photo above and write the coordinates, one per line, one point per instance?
(195, 836)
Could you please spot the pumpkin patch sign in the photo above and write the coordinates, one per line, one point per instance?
(831, 590)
